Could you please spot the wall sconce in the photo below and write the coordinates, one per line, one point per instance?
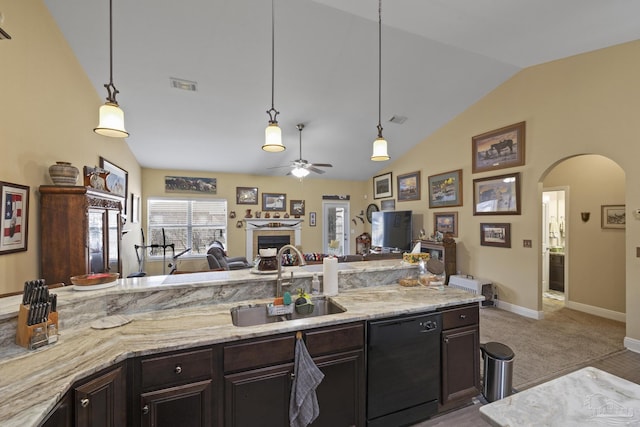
(585, 216)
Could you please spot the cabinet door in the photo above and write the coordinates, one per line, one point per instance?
(102, 401)
(188, 405)
(258, 397)
(460, 363)
(341, 396)
(96, 244)
(62, 414)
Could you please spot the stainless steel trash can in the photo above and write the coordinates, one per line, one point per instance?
(498, 371)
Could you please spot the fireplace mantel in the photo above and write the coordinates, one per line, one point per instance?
(257, 226)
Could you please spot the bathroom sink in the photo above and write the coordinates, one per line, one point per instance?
(249, 315)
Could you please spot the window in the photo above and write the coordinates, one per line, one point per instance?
(186, 224)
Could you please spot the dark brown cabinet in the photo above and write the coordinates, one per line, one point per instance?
(460, 354)
(259, 374)
(556, 272)
(80, 232)
(174, 389)
(102, 401)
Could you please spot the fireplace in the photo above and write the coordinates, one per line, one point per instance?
(271, 233)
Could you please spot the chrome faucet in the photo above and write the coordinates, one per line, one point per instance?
(301, 262)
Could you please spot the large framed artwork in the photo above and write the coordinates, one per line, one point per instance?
(409, 186)
(382, 186)
(274, 202)
(613, 216)
(498, 149)
(496, 234)
(445, 189)
(247, 195)
(15, 216)
(497, 195)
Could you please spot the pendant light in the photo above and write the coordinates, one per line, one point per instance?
(273, 133)
(380, 144)
(111, 121)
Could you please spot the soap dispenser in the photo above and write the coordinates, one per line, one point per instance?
(315, 284)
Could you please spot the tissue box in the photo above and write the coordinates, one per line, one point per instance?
(415, 258)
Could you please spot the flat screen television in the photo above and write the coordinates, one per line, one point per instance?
(391, 230)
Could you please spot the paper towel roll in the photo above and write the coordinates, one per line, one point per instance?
(330, 276)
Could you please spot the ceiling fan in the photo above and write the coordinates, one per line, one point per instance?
(301, 167)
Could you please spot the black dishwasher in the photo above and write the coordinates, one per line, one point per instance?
(403, 369)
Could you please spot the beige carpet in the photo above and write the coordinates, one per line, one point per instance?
(543, 348)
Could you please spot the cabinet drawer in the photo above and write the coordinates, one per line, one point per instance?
(458, 317)
(176, 368)
(335, 339)
(260, 353)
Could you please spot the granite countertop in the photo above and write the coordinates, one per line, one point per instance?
(33, 381)
(588, 396)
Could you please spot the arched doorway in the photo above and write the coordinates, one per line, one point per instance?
(594, 254)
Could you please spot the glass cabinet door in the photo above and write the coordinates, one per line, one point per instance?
(96, 241)
(114, 241)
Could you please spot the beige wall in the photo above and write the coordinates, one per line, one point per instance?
(48, 110)
(310, 190)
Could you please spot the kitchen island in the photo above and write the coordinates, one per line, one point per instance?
(170, 313)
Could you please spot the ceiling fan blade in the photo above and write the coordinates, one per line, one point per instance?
(279, 167)
(322, 165)
(316, 170)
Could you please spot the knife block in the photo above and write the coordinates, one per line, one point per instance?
(25, 332)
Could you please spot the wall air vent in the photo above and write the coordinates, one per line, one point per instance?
(397, 119)
(183, 84)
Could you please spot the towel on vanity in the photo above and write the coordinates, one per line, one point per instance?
(303, 404)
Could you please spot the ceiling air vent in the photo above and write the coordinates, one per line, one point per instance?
(397, 119)
(183, 84)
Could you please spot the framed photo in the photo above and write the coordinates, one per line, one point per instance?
(312, 219)
(446, 222)
(497, 195)
(388, 205)
(613, 216)
(135, 208)
(297, 207)
(188, 184)
(409, 186)
(247, 195)
(445, 189)
(382, 186)
(498, 149)
(117, 181)
(274, 202)
(498, 235)
(15, 216)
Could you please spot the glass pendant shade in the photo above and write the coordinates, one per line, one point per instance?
(273, 138)
(111, 122)
(299, 172)
(380, 150)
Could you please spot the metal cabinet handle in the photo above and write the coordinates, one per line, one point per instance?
(178, 369)
(463, 316)
(84, 402)
(293, 376)
(145, 409)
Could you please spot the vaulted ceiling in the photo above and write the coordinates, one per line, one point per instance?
(438, 58)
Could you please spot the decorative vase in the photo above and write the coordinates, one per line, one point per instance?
(248, 214)
(63, 173)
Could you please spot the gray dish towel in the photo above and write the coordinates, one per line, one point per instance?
(303, 404)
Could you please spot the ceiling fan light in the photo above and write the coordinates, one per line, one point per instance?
(299, 172)
(273, 138)
(111, 121)
(380, 150)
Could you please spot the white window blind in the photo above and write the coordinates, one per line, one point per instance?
(185, 223)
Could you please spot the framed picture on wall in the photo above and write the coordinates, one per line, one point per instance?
(382, 186)
(498, 149)
(446, 222)
(388, 205)
(613, 216)
(297, 207)
(274, 202)
(247, 195)
(15, 216)
(495, 235)
(497, 195)
(409, 186)
(445, 189)
(312, 219)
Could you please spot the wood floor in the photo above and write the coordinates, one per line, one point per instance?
(622, 363)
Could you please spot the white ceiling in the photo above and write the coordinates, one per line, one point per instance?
(438, 58)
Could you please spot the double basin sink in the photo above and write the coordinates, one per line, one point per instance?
(257, 314)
